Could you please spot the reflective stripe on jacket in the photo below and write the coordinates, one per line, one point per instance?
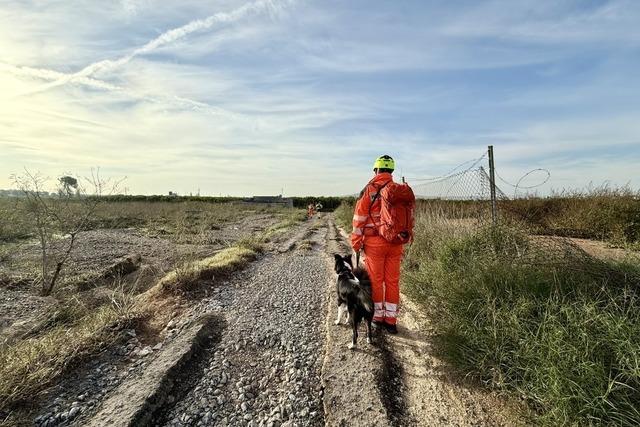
(367, 212)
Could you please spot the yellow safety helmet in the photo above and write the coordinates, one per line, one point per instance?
(384, 162)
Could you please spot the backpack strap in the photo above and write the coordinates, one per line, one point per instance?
(375, 198)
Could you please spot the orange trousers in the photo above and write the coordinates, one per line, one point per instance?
(382, 260)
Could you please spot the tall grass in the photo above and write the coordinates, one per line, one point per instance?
(344, 214)
(546, 323)
(610, 214)
(13, 224)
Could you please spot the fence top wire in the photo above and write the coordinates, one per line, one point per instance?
(517, 185)
(453, 172)
(472, 183)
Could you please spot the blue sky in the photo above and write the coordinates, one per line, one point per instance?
(248, 97)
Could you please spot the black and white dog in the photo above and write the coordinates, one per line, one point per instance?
(354, 296)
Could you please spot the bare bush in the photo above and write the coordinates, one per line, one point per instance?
(59, 217)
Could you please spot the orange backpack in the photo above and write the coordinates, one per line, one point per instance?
(396, 212)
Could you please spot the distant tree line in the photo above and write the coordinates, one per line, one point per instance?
(166, 198)
(328, 203)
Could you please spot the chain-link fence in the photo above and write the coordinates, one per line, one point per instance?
(471, 183)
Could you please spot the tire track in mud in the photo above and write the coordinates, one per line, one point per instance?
(362, 387)
(390, 383)
(186, 378)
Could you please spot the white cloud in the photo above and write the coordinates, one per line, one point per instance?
(163, 39)
(245, 102)
(550, 22)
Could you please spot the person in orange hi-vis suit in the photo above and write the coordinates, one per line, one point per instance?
(382, 258)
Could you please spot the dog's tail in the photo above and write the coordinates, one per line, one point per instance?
(361, 274)
(363, 288)
(365, 299)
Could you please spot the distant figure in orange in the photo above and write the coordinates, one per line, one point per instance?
(382, 224)
(310, 210)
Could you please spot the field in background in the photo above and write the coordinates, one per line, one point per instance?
(611, 215)
(518, 307)
(533, 316)
(157, 214)
(169, 247)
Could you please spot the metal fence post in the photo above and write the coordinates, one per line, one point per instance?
(492, 184)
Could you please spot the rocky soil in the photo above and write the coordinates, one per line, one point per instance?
(83, 388)
(262, 369)
(274, 358)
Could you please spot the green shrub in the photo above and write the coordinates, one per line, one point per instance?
(344, 215)
(563, 332)
(605, 214)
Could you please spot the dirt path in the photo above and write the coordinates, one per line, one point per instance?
(258, 362)
(432, 394)
(350, 377)
(270, 355)
(603, 250)
(266, 368)
(414, 386)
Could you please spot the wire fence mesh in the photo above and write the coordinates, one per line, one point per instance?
(463, 194)
(463, 199)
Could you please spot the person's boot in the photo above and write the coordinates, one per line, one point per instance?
(377, 325)
(392, 329)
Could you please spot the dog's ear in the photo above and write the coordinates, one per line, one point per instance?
(338, 259)
(338, 265)
(348, 259)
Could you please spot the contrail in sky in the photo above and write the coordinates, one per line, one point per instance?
(51, 75)
(163, 39)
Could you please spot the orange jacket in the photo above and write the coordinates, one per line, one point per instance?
(366, 216)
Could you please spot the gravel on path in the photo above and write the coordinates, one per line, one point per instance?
(265, 371)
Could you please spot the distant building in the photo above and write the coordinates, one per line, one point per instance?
(271, 200)
(20, 193)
